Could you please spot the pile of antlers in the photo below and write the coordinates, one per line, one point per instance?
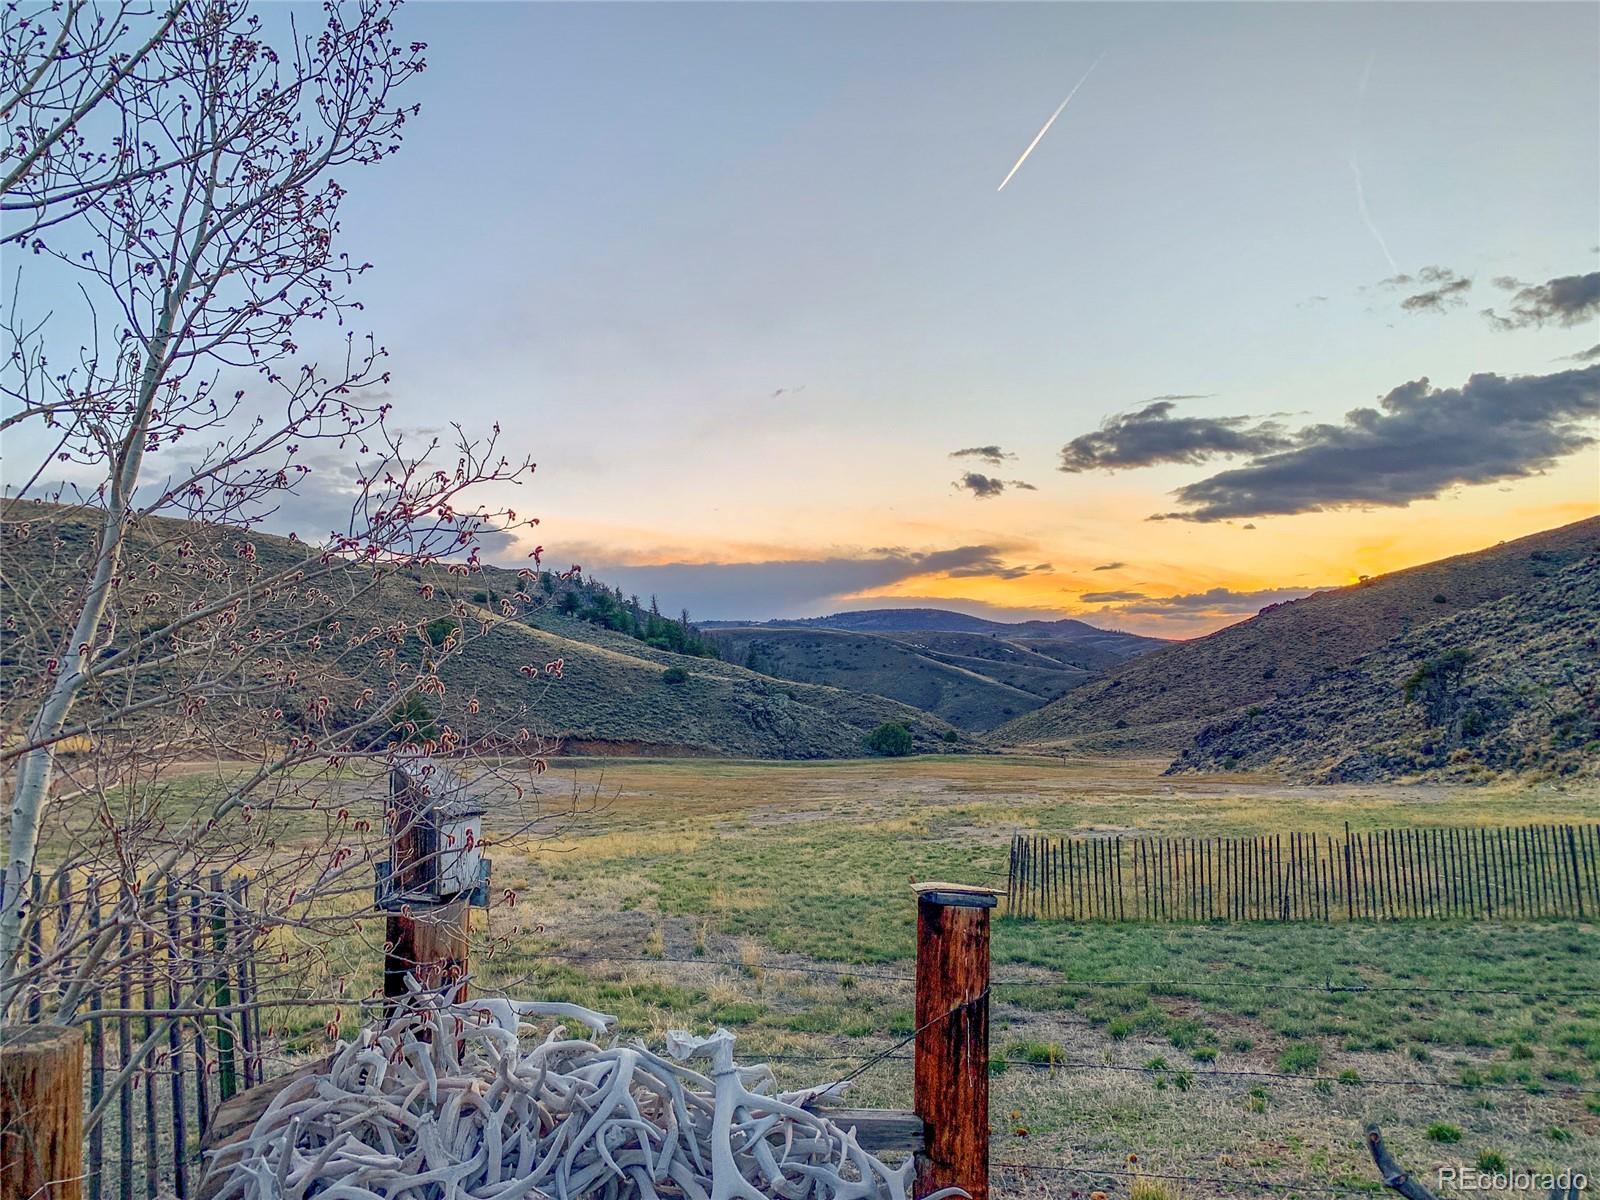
(444, 1102)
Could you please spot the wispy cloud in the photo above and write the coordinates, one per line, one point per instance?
(1437, 289)
(1448, 292)
(1214, 602)
(993, 455)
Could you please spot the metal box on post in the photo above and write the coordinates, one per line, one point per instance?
(436, 837)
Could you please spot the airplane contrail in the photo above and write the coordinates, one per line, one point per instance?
(1038, 137)
(1355, 168)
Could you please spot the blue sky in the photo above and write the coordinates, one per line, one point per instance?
(620, 229)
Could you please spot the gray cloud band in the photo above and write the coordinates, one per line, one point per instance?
(1417, 443)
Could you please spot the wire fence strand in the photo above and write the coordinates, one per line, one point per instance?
(1328, 987)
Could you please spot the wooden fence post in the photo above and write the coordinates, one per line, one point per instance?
(433, 871)
(951, 1063)
(41, 1113)
(428, 940)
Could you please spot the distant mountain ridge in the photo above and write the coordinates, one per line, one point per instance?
(972, 672)
(942, 620)
(1161, 700)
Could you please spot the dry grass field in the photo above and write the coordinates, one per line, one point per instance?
(774, 899)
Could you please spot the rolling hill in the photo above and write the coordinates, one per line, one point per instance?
(1159, 701)
(1510, 685)
(971, 672)
(969, 691)
(614, 697)
(614, 693)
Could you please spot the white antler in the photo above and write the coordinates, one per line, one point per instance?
(445, 1103)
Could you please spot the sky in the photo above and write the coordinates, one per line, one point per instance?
(1287, 294)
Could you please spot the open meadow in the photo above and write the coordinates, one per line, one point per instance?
(774, 899)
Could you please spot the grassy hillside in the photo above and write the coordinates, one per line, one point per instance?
(614, 696)
(1511, 685)
(614, 693)
(973, 681)
(1160, 700)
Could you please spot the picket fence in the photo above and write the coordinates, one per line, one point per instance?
(1453, 872)
(171, 1023)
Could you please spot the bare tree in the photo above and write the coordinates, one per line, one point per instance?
(59, 62)
(176, 171)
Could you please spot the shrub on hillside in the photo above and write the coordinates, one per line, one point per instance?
(892, 739)
(441, 629)
(675, 676)
(1436, 684)
(411, 722)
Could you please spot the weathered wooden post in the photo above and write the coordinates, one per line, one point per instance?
(41, 1113)
(951, 1064)
(435, 875)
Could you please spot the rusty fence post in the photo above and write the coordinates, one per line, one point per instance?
(951, 1063)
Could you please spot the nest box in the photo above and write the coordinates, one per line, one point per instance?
(435, 837)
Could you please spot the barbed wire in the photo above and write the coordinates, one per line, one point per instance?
(857, 973)
(800, 969)
(1271, 1185)
(980, 998)
(1212, 1074)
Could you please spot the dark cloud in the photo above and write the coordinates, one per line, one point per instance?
(1589, 355)
(1153, 435)
(787, 588)
(1566, 301)
(993, 568)
(1418, 442)
(986, 487)
(981, 486)
(1111, 566)
(1450, 293)
(1217, 601)
(992, 455)
(1111, 597)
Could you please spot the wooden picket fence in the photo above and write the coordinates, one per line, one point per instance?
(1441, 873)
(190, 967)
